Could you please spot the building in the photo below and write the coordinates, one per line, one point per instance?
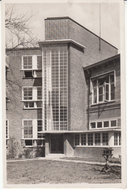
(65, 95)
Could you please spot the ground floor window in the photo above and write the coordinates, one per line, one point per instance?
(97, 139)
(34, 143)
(117, 138)
(7, 129)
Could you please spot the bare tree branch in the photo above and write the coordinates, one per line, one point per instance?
(17, 30)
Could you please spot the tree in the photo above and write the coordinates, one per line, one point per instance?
(18, 32)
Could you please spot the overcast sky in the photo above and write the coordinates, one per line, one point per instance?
(87, 14)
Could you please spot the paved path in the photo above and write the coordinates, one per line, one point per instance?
(65, 160)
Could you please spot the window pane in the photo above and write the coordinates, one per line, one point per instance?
(115, 138)
(112, 92)
(95, 95)
(39, 62)
(107, 91)
(39, 93)
(28, 142)
(28, 129)
(76, 139)
(27, 62)
(93, 125)
(90, 139)
(113, 123)
(83, 139)
(106, 123)
(105, 138)
(27, 93)
(100, 93)
(99, 124)
(28, 74)
(97, 139)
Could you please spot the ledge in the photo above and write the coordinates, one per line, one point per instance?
(63, 41)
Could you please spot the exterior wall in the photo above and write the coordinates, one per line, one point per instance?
(110, 109)
(77, 91)
(66, 28)
(15, 107)
(94, 153)
(68, 145)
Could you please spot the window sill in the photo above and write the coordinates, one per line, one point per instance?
(102, 103)
(95, 146)
(31, 108)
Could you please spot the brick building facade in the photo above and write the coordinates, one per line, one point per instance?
(65, 95)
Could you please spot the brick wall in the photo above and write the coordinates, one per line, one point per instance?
(15, 81)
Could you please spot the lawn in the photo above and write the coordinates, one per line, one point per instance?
(49, 171)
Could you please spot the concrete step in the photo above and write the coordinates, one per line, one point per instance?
(55, 155)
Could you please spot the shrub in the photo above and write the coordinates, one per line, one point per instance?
(13, 148)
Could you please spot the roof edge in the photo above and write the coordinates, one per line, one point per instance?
(67, 17)
(101, 62)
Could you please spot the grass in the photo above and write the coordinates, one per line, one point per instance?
(49, 171)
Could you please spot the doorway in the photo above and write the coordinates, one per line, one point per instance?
(57, 144)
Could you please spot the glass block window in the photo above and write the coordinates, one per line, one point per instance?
(55, 89)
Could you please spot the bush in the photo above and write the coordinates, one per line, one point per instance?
(14, 148)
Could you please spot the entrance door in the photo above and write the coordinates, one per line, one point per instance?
(57, 144)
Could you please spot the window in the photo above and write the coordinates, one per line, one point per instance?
(39, 62)
(90, 139)
(113, 123)
(32, 93)
(39, 93)
(103, 88)
(28, 104)
(27, 94)
(97, 138)
(83, 139)
(99, 124)
(7, 129)
(117, 138)
(93, 125)
(105, 138)
(106, 123)
(77, 139)
(28, 129)
(28, 143)
(27, 62)
(28, 74)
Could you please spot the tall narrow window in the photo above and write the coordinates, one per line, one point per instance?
(28, 129)
(117, 138)
(105, 138)
(90, 139)
(77, 139)
(83, 139)
(97, 138)
(39, 62)
(39, 93)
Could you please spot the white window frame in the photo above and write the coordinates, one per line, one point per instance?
(104, 86)
(104, 120)
(34, 93)
(34, 63)
(27, 138)
(118, 139)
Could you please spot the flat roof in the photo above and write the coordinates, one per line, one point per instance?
(63, 41)
(101, 62)
(67, 17)
(82, 131)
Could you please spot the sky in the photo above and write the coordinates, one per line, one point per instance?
(87, 14)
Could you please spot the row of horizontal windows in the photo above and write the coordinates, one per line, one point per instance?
(105, 123)
(97, 139)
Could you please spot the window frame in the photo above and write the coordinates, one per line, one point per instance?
(104, 120)
(28, 126)
(96, 78)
